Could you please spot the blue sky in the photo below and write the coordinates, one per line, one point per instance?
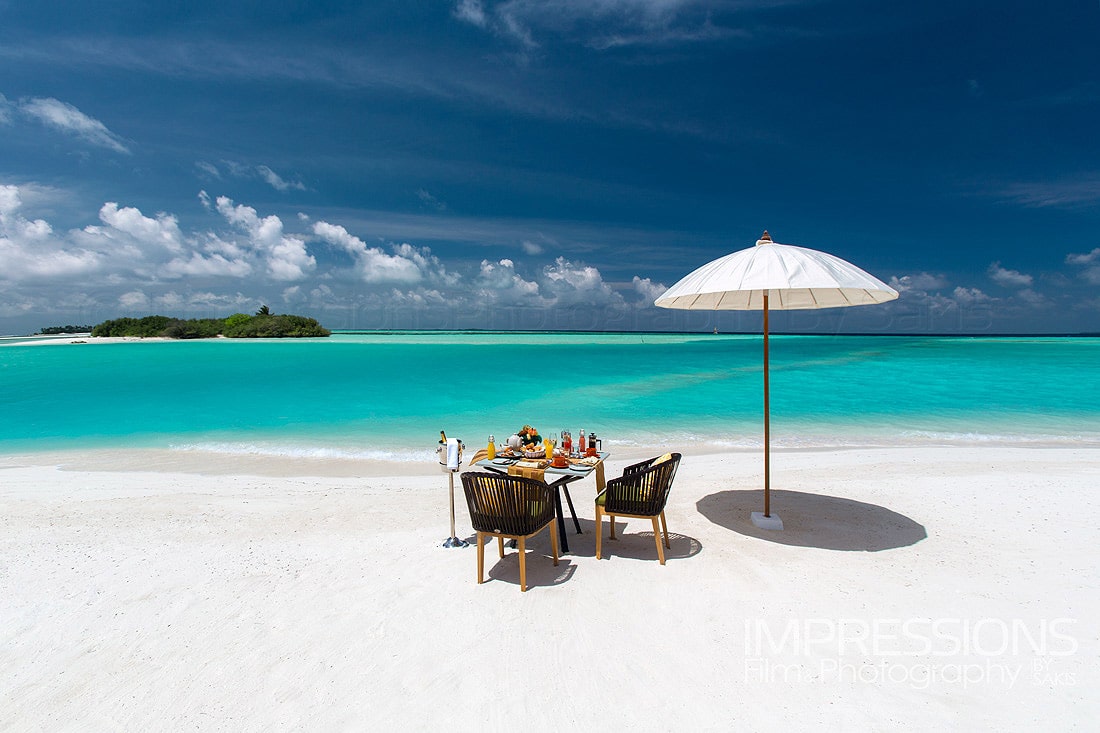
(557, 164)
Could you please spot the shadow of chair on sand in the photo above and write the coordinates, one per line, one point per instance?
(814, 520)
(628, 544)
(541, 571)
(631, 541)
(635, 544)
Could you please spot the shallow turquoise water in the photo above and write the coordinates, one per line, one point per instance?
(388, 395)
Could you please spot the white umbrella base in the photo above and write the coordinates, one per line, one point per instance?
(772, 522)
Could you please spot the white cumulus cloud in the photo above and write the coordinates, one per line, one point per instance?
(499, 283)
(647, 289)
(15, 226)
(9, 199)
(28, 249)
(1033, 298)
(133, 299)
(918, 281)
(970, 296)
(163, 231)
(129, 262)
(339, 236)
(214, 265)
(568, 283)
(286, 255)
(430, 266)
(1089, 262)
(1008, 278)
(372, 264)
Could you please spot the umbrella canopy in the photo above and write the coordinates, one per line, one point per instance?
(773, 276)
(795, 278)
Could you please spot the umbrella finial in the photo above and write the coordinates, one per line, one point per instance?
(765, 238)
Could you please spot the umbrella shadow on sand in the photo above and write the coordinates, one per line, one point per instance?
(815, 520)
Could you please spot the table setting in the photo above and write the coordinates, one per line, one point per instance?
(553, 461)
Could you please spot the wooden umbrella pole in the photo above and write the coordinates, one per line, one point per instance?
(767, 419)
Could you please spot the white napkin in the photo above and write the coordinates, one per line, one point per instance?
(454, 461)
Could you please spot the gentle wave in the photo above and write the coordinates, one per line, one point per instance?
(397, 455)
(679, 441)
(821, 442)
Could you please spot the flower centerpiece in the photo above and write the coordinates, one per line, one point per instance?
(530, 437)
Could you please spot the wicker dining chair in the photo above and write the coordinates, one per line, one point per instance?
(640, 493)
(509, 507)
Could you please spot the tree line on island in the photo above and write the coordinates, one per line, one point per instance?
(264, 324)
(57, 330)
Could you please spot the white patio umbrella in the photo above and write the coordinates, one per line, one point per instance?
(772, 276)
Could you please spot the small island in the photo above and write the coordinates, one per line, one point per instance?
(264, 324)
(63, 330)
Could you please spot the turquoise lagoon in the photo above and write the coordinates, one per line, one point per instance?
(387, 395)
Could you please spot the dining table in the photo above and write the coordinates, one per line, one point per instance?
(557, 478)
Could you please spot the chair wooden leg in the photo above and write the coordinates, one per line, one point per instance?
(599, 531)
(554, 539)
(480, 557)
(500, 546)
(657, 539)
(664, 526)
(523, 564)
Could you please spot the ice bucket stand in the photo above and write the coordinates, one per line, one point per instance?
(450, 466)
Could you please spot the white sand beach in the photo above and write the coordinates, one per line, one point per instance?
(66, 339)
(912, 589)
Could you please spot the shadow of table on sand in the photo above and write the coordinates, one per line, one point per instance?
(814, 520)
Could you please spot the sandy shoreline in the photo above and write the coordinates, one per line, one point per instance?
(75, 338)
(914, 588)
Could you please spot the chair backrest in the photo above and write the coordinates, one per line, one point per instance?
(507, 504)
(643, 491)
